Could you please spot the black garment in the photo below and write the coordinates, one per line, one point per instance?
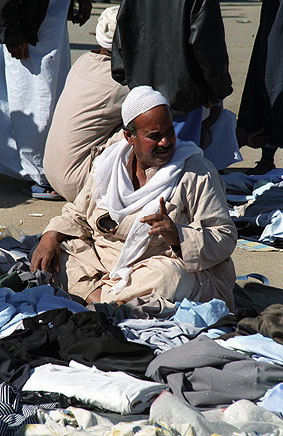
(262, 100)
(177, 47)
(13, 370)
(40, 397)
(21, 19)
(58, 336)
(269, 323)
(254, 297)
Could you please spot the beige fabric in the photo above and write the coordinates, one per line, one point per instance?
(87, 114)
(206, 232)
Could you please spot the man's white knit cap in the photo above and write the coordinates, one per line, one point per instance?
(106, 26)
(140, 100)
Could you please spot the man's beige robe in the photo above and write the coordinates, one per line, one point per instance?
(207, 238)
(87, 115)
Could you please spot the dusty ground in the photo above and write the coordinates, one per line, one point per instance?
(241, 22)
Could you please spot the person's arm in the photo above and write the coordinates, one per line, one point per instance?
(73, 222)
(207, 39)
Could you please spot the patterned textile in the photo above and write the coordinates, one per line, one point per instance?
(14, 414)
(255, 246)
(76, 421)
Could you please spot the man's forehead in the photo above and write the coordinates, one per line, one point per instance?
(154, 118)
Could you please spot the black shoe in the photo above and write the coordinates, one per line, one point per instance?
(262, 167)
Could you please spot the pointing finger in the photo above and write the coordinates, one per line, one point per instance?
(162, 209)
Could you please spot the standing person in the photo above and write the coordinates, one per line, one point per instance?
(87, 115)
(261, 110)
(177, 47)
(34, 62)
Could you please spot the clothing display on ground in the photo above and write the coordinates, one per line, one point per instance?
(254, 298)
(58, 336)
(162, 335)
(149, 306)
(14, 414)
(13, 370)
(200, 314)
(56, 351)
(257, 346)
(13, 251)
(206, 374)
(272, 399)
(256, 206)
(158, 335)
(114, 391)
(268, 323)
(16, 306)
(26, 117)
(241, 183)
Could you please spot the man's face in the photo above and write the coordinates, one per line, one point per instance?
(154, 143)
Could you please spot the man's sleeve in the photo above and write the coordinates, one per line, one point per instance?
(211, 236)
(207, 39)
(11, 29)
(74, 218)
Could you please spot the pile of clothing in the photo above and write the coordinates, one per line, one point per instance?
(257, 205)
(149, 366)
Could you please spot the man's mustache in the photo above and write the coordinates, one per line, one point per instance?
(162, 150)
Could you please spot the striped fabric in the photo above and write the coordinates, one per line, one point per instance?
(14, 414)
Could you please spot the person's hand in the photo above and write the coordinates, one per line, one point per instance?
(83, 14)
(18, 51)
(161, 224)
(46, 256)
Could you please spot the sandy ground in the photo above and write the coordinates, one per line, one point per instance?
(241, 22)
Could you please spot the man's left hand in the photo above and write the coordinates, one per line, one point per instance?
(161, 224)
(83, 13)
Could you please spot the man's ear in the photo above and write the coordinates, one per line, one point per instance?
(128, 136)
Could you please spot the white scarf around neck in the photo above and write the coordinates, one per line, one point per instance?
(115, 193)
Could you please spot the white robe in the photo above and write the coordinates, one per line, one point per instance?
(29, 90)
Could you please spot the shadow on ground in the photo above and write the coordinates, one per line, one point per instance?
(11, 192)
(75, 46)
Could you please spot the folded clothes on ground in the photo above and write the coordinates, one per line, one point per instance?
(115, 391)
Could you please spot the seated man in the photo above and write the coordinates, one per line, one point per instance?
(151, 218)
(87, 114)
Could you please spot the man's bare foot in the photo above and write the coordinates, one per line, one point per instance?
(94, 296)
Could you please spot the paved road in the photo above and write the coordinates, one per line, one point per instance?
(241, 21)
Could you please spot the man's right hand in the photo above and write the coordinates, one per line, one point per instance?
(18, 51)
(46, 256)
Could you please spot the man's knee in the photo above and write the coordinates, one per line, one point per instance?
(173, 282)
(159, 274)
